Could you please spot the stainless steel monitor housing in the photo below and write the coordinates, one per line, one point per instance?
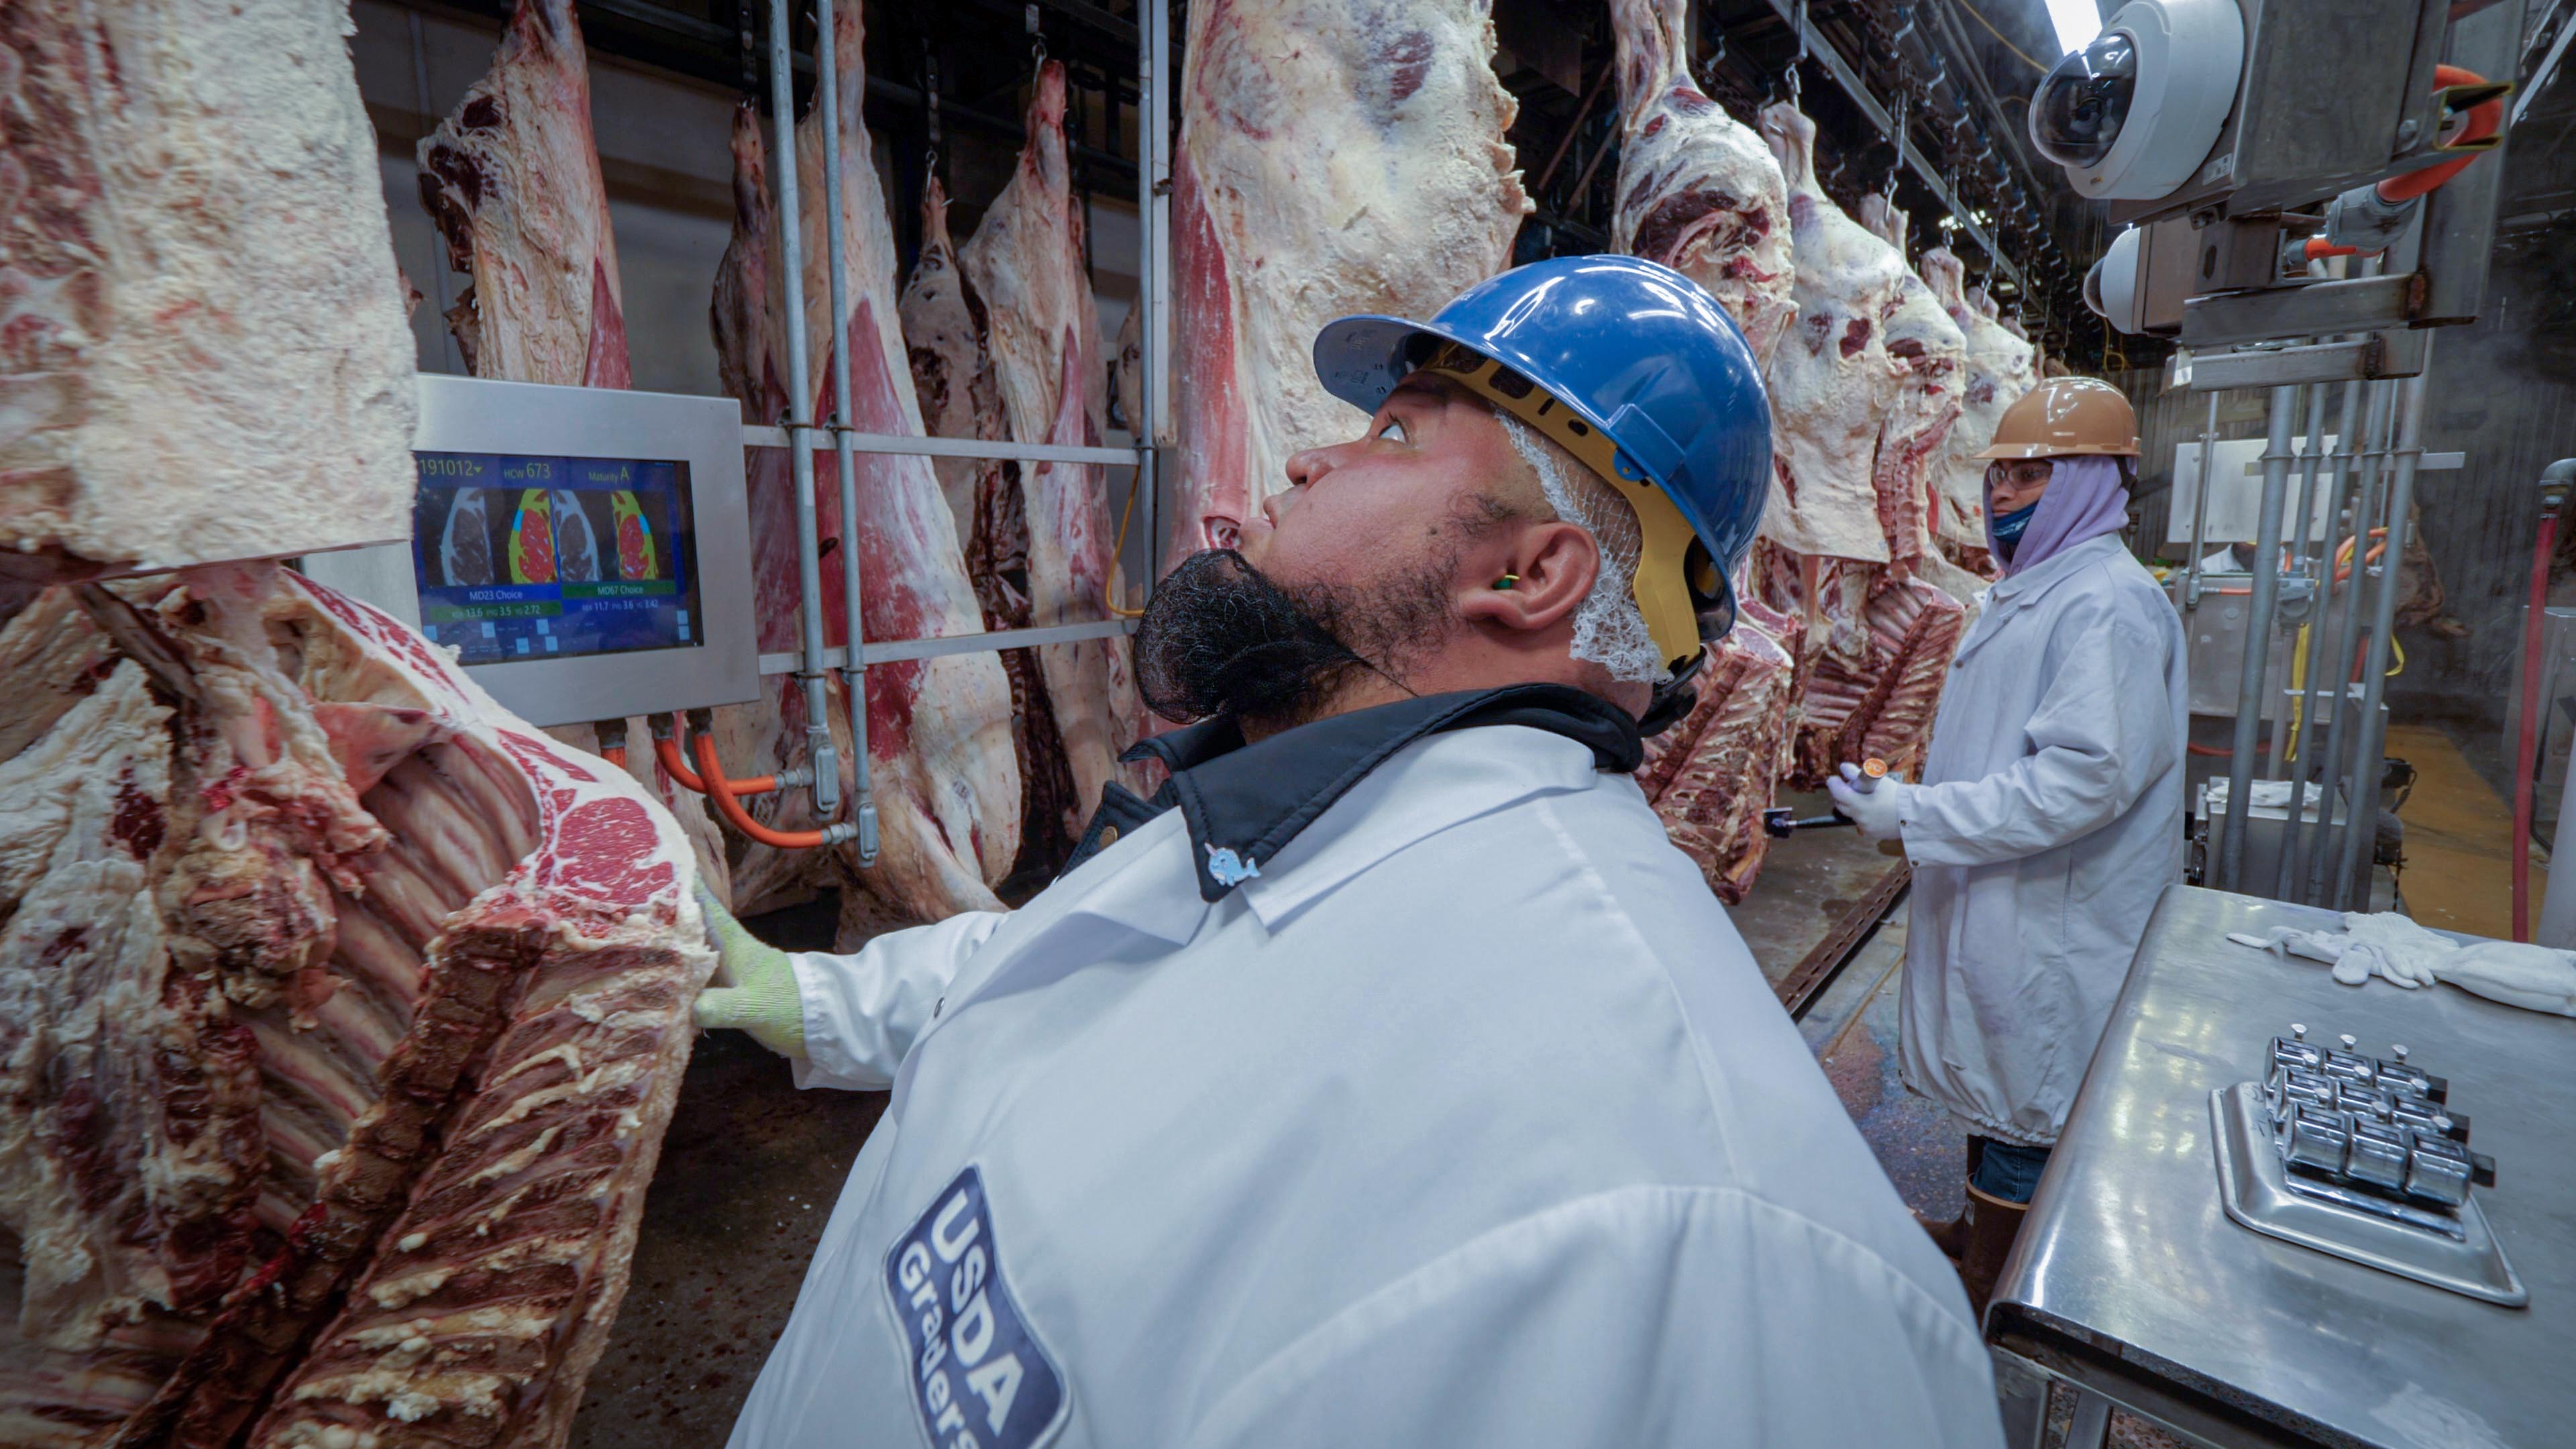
(475, 415)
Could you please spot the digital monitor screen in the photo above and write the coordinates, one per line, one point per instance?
(523, 558)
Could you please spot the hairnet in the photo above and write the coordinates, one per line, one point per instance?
(1609, 630)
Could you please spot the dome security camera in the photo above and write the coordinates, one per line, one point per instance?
(2132, 115)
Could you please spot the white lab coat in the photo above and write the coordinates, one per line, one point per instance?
(2048, 821)
(1468, 1121)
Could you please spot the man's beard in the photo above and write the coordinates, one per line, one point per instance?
(1220, 637)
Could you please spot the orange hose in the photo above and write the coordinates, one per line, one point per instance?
(2319, 249)
(2484, 120)
(668, 752)
(2343, 554)
(615, 755)
(721, 791)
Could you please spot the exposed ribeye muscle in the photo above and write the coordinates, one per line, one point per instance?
(202, 347)
(1336, 156)
(939, 730)
(512, 179)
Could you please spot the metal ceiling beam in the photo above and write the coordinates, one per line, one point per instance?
(1824, 54)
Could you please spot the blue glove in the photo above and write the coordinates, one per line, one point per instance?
(759, 994)
(1872, 810)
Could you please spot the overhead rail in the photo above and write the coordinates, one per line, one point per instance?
(1813, 43)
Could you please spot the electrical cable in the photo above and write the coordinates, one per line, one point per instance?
(1117, 551)
(2024, 55)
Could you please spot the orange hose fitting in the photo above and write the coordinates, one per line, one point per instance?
(2485, 119)
(721, 791)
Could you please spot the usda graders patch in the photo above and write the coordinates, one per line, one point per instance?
(979, 1376)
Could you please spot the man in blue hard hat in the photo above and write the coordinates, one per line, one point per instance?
(1387, 1078)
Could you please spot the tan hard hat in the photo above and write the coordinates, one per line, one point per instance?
(2067, 417)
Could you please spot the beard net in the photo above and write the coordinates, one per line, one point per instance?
(1608, 628)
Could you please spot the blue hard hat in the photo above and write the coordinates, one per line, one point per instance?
(1638, 372)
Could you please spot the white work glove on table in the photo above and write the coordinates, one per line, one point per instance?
(1873, 810)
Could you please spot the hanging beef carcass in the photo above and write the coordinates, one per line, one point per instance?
(1833, 381)
(1874, 642)
(340, 1018)
(944, 325)
(1913, 446)
(1697, 190)
(177, 250)
(512, 181)
(1699, 193)
(939, 730)
(1998, 372)
(1026, 263)
(340, 1012)
(1336, 156)
(944, 329)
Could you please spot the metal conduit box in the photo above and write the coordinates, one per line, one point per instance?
(585, 551)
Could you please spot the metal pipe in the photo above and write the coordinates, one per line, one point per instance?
(2383, 625)
(913, 445)
(800, 450)
(2297, 559)
(854, 673)
(2200, 510)
(2347, 631)
(2294, 860)
(1154, 288)
(2265, 576)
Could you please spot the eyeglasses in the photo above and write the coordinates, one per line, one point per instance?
(2027, 473)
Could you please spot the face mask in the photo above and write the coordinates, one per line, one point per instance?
(2008, 527)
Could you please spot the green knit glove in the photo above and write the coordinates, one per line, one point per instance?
(762, 998)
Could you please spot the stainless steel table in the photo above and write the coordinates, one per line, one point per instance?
(2130, 1282)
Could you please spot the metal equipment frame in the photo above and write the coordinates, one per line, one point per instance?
(813, 660)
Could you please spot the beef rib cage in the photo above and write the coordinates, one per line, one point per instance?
(1710, 776)
(1876, 650)
(344, 1013)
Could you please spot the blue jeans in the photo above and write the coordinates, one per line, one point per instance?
(2009, 1170)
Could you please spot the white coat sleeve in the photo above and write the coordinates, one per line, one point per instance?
(2103, 732)
(863, 1012)
(1643, 1315)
